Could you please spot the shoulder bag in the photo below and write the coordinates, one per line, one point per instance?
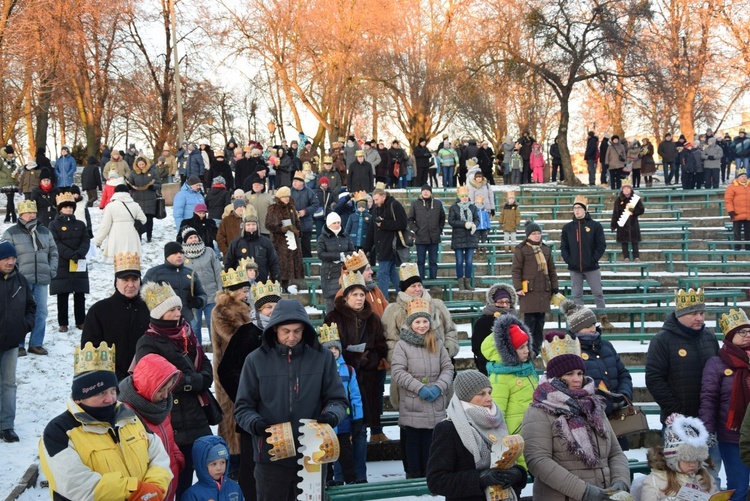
(629, 419)
(139, 226)
(406, 237)
(161, 206)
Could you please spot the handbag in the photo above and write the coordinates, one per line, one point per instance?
(396, 169)
(484, 220)
(407, 237)
(139, 226)
(211, 408)
(629, 419)
(161, 206)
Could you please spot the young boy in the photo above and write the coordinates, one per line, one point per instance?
(516, 166)
(349, 469)
(356, 225)
(211, 459)
(510, 218)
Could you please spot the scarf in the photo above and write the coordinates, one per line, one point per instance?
(31, 227)
(736, 359)
(180, 335)
(104, 414)
(261, 321)
(45, 189)
(465, 211)
(524, 369)
(194, 251)
(153, 412)
(410, 337)
(370, 286)
(475, 424)
(541, 263)
(495, 311)
(577, 413)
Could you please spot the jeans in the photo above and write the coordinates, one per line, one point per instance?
(464, 256)
(8, 361)
(591, 163)
(417, 448)
(594, 279)
(738, 475)
(669, 171)
(448, 176)
(715, 455)
(197, 322)
(359, 450)
(741, 163)
(79, 308)
(40, 318)
(387, 274)
(422, 250)
(271, 183)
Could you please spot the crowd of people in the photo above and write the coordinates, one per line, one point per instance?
(242, 229)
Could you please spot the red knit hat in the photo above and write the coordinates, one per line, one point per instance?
(324, 180)
(517, 336)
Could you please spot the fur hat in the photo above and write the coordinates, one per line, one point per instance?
(579, 317)
(509, 333)
(468, 383)
(685, 439)
(282, 192)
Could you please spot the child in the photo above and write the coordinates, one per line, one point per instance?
(510, 218)
(681, 462)
(344, 469)
(422, 373)
(311, 179)
(357, 224)
(537, 164)
(516, 165)
(113, 179)
(211, 459)
(481, 195)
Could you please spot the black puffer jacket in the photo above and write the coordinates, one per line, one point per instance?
(582, 244)
(461, 238)
(603, 364)
(72, 240)
(674, 367)
(188, 418)
(330, 247)
(259, 248)
(379, 241)
(17, 311)
(184, 282)
(427, 220)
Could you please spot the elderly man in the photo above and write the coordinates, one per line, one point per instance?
(121, 319)
(264, 397)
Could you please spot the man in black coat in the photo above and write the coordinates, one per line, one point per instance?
(91, 180)
(16, 319)
(427, 220)
(251, 244)
(121, 319)
(389, 217)
(525, 151)
(592, 147)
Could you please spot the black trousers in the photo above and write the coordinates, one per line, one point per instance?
(626, 254)
(535, 323)
(10, 208)
(615, 179)
(306, 239)
(279, 483)
(247, 468)
(79, 308)
(740, 228)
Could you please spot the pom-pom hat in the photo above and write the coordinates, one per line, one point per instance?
(579, 317)
(685, 439)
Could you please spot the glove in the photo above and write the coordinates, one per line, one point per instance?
(259, 428)
(511, 477)
(147, 492)
(468, 224)
(424, 393)
(328, 418)
(492, 212)
(195, 302)
(711, 157)
(473, 228)
(732, 214)
(616, 406)
(434, 393)
(594, 493)
(619, 486)
(492, 476)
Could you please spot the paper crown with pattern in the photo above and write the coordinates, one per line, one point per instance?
(234, 278)
(281, 440)
(689, 301)
(581, 200)
(26, 206)
(65, 197)
(417, 306)
(90, 358)
(407, 270)
(248, 263)
(327, 159)
(733, 320)
(462, 190)
(127, 261)
(350, 279)
(357, 261)
(154, 294)
(380, 185)
(739, 172)
(359, 153)
(328, 333)
(560, 346)
(510, 194)
(360, 196)
(269, 292)
(306, 166)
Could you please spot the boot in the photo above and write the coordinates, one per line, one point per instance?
(605, 323)
(461, 285)
(467, 284)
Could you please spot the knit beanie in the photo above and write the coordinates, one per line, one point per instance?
(579, 317)
(172, 248)
(531, 227)
(517, 336)
(88, 384)
(499, 294)
(324, 180)
(7, 249)
(468, 383)
(160, 298)
(332, 218)
(218, 451)
(685, 439)
(219, 180)
(187, 232)
(193, 180)
(562, 364)
(239, 202)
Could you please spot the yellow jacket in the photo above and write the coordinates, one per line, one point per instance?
(82, 461)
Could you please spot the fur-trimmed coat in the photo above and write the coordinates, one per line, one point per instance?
(483, 325)
(228, 315)
(290, 260)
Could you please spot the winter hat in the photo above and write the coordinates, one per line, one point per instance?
(219, 180)
(92, 383)
(468, 383)
(9, 150)
(731, 322)
(193, 180)
(517, 336)
(113, 174)
(200, 207)
(416, 308)
(427, 187)
(45, 174)
(218, 451)
(65, 148)
(239, 202)
(219, 154)
(122, 188)
(172, 248)
(740, 172)
(499, 294)
(324, 180)
(562, 354)
(151, 373)
(690, 301)
(282, 192)
(187, 232)
(7, 249)
(238, 193)
(408, 274)
(332, 218)
(685, 439)
(94, 370)
(579, 317)
(161, 159)
(159, 298)
(531, 227)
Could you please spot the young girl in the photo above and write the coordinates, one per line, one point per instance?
(516, 165)
(681, 462)
(510, 218)
(480, 193)
(536, 162)
(422, 372)
(463, 218)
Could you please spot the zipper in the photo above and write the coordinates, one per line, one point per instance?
(580, 246)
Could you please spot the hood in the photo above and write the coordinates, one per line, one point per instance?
(502, 338)
(473, 142)
(150, 374)
(186, 187)
(509, 288)
(290, 311)
(92, 161)
(535, 145)
(201, 448)
(711, 141)
(135, 165)
(232, 140)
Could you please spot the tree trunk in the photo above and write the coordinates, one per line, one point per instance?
(562, 139)
(42, 112)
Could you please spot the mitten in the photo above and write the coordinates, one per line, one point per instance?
(732, 214)
(473, 228)
(259, 428)
(594, 493)
(468, 224)
(619, 486)
(328, 418)
(434, 393)
(424, 393)
(147, 492)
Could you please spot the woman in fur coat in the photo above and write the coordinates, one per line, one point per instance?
(283, 223)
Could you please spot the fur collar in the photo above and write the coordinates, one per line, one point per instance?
(502, 338)
(508, 288)
(341, 306)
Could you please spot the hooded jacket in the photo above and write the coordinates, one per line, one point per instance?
(117, 226)
(206, 487)
(482, 189)
(195, 165)
(38, 266)
(144, 183)
(330, 248)
(279, 384)
(483, 325)
(65, 170)
(582, 244)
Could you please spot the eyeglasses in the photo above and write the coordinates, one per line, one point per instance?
(503, 302)
(743, 332)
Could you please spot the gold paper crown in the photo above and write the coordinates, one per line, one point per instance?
(63, 197)
(558, 346)
(260, 290)
(299, 175)
(472, 162)
(247, 262)
(94, 359)
(407, 270)
(327, 159)
(127, 261)
(359, 153)
(360, 196)
(349, 279)
(342, 139)
(380, 185)
(306, 166)
(417, 305)
(233, 277)
(328, 333)
(740, 171)
(155, 294)
(581, 200)
(685, 299)
(356, 261)
(462, 190)
(510, 194)
(730, 321)
(26, 206)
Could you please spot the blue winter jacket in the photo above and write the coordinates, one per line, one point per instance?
(65, 169)
(195, 165)
(351, 387)
(356, 227)
(603, 364)
(184, 203)
(307, 200)
(207, 487)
